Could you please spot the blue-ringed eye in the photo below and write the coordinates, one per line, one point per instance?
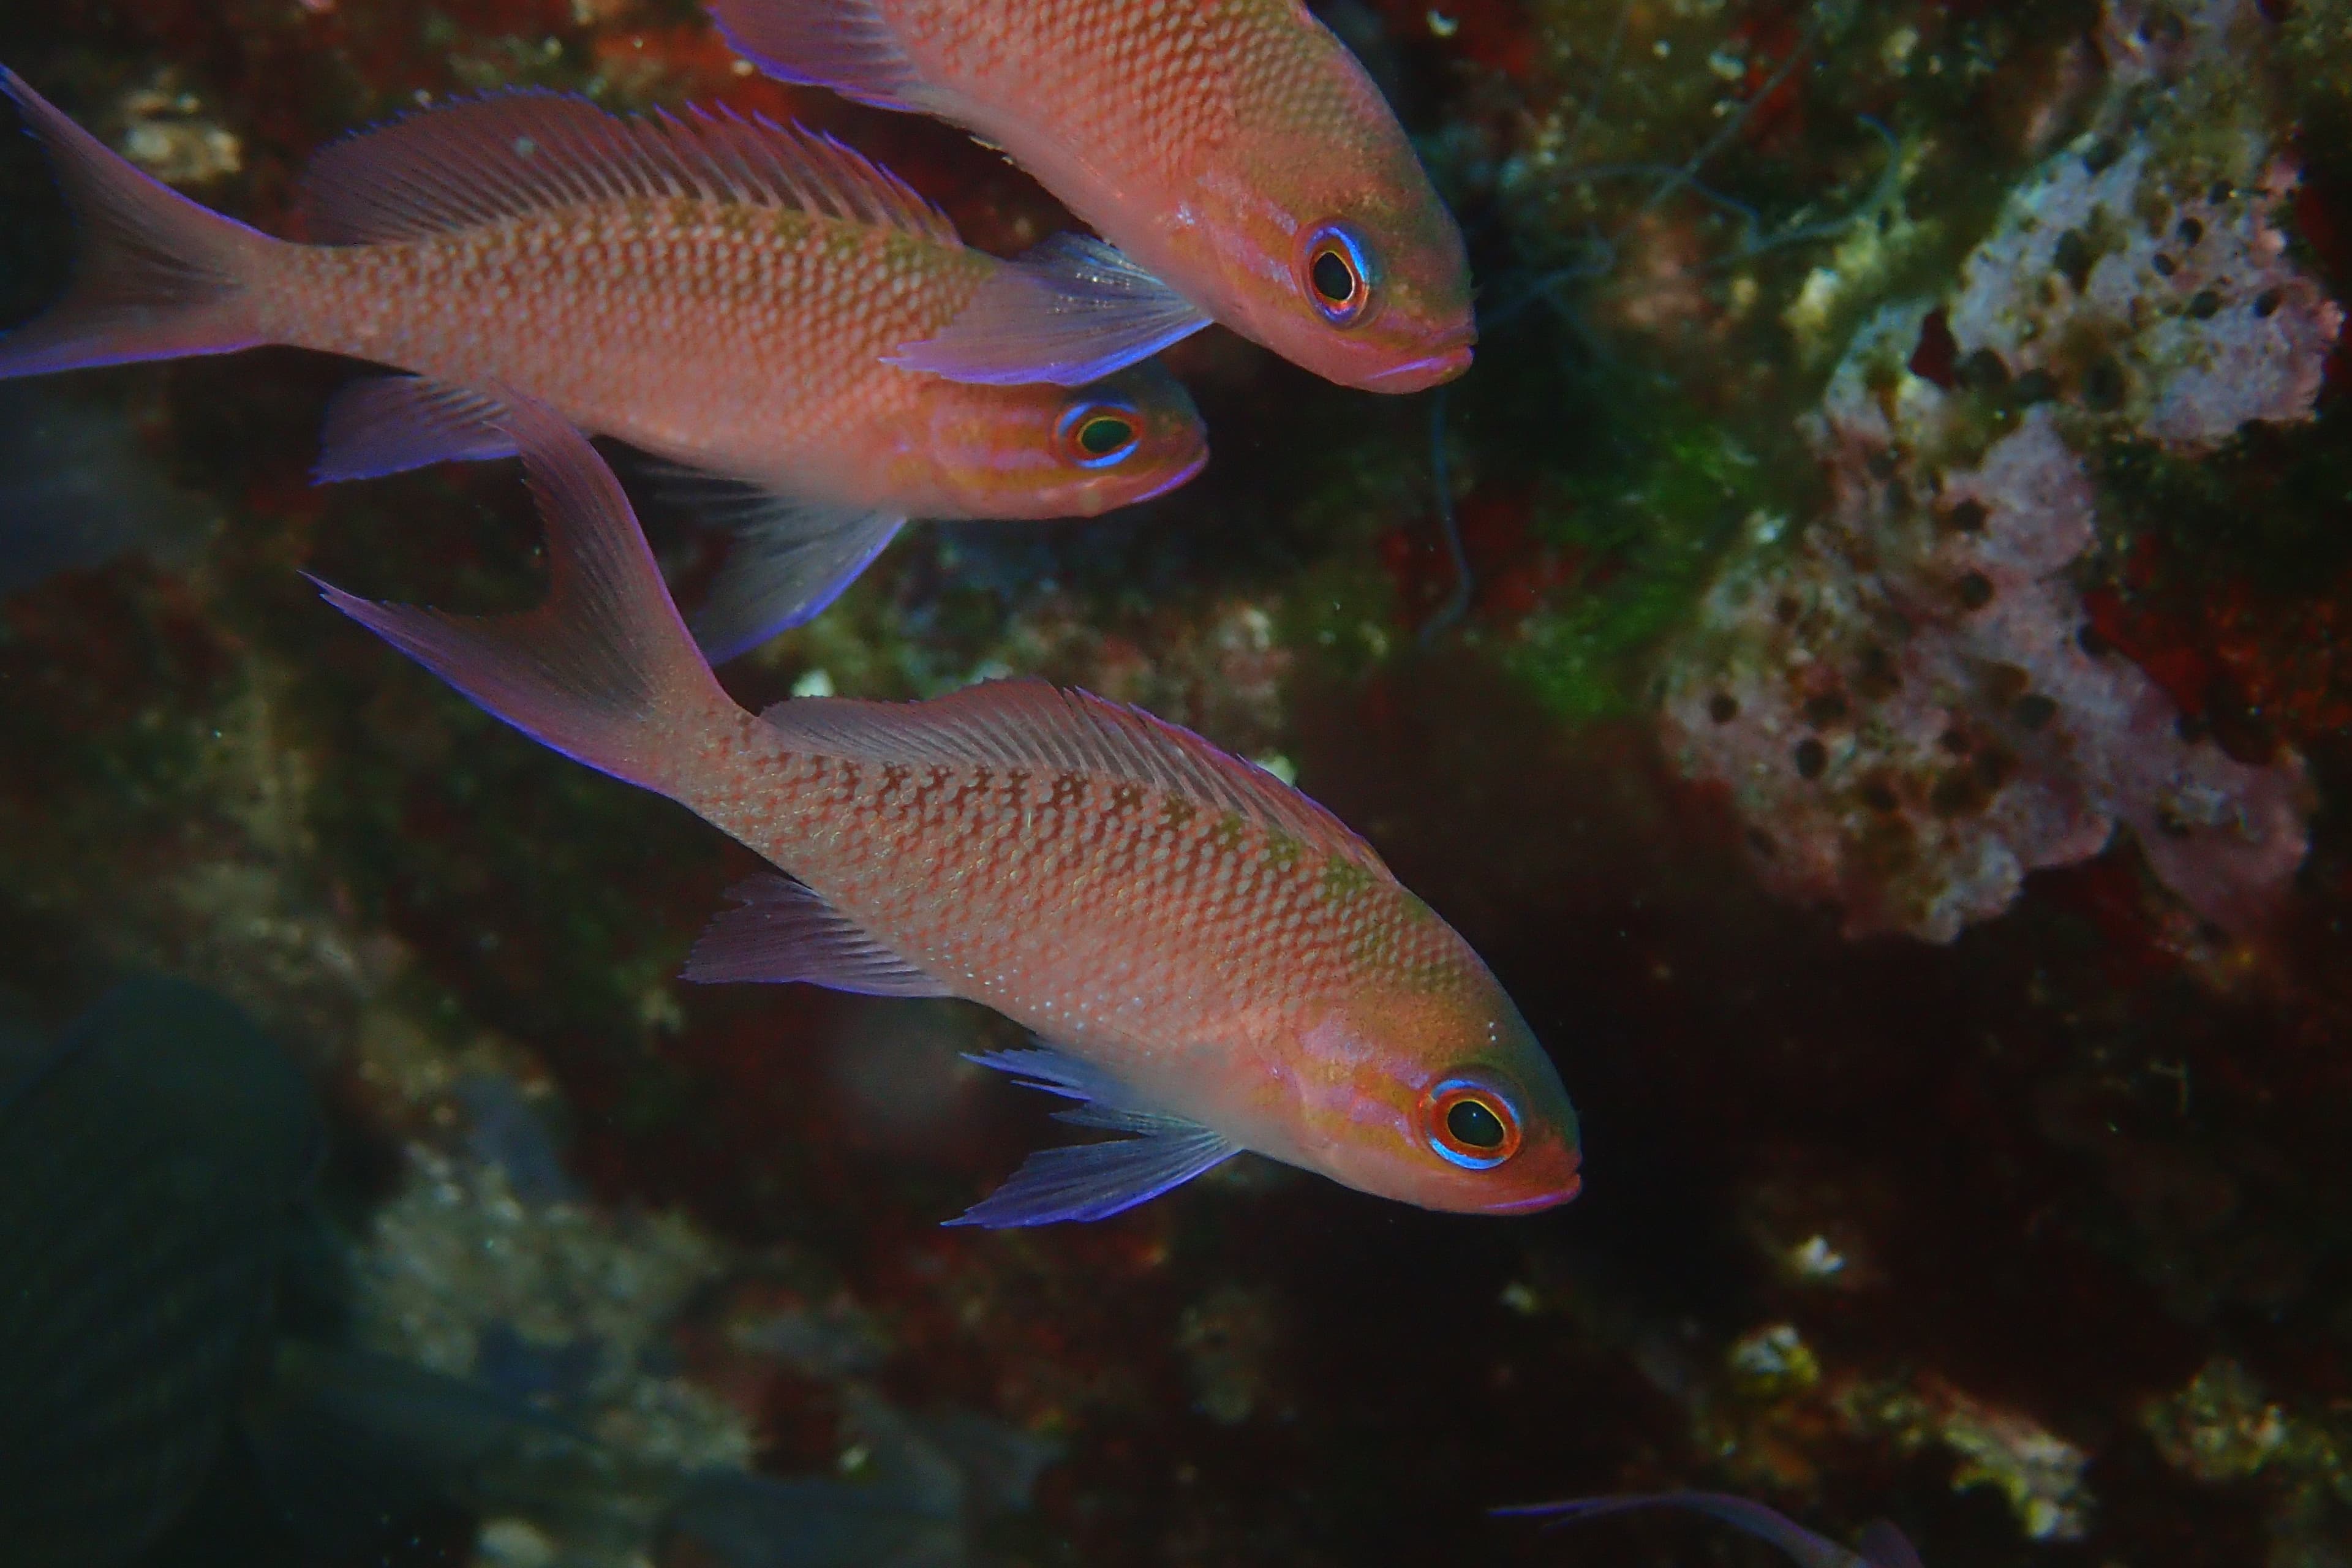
(1338, 274)
(1470, 1124)
(1096, 435)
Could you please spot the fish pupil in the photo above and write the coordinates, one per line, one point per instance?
(1334, 278)
(1101, 436)
(1475, 1124)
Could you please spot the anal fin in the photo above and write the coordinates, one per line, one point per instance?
(389, 423)
(1094, 1181)
(1070, 312)
(782, 932)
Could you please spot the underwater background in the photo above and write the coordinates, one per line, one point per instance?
(1865, 654)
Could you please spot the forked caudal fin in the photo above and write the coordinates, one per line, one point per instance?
(604, 670)
(158, 276)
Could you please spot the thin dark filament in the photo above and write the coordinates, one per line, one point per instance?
(1457, 603)
(1600, 86)
(1733, 122)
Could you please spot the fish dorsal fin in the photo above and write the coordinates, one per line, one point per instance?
(1032, 723)
(480, 160)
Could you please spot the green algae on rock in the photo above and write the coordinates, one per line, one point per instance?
(1901, 705)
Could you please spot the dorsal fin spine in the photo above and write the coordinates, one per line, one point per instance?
(504, 155)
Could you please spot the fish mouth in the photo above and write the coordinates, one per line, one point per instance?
(1179, 477)
(1450, 359)
(1534, 1202)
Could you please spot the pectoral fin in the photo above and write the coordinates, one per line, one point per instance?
(1070, 312)
(790, 558)
(1094, 1181)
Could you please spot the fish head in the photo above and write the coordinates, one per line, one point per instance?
(1041, 450)
(1442, 1099)
(1339, 255)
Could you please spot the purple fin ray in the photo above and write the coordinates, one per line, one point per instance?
(843, 45)
(158, 276)
(782, 932)
(481, 160)
(1032, 723)
(1070, 312)
(1094, 1181)
(788, 559)
(1809, 1549)
(603, 671)
(1050, 1071)
(1885, 1546)
(389, 423)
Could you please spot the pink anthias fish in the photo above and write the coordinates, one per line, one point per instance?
(716, 291)
(1233, 152)
(1211, 962)
(1881, 1544)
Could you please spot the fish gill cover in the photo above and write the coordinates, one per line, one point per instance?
(2000, 338)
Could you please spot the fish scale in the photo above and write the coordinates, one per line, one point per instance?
(1221, 146)
(1258, 905)
(1018, 884)
(1212, 962)
(768, 346)
(723, 294)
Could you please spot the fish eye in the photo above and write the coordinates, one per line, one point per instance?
(1338, 274)
(1098, 435)
(1470, 1124)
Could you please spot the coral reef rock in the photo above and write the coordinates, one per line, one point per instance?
(1905, 701)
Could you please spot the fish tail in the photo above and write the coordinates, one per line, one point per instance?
(159, 277)
(603, 671)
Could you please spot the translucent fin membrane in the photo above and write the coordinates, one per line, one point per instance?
(506, 154)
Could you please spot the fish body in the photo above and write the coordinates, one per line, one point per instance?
(1229, 965)
(1234, 150)
(718, 292)
(1214, 962)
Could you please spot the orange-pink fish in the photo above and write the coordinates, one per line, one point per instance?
(716, 291)
(1211, 962)
(1232, 151)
